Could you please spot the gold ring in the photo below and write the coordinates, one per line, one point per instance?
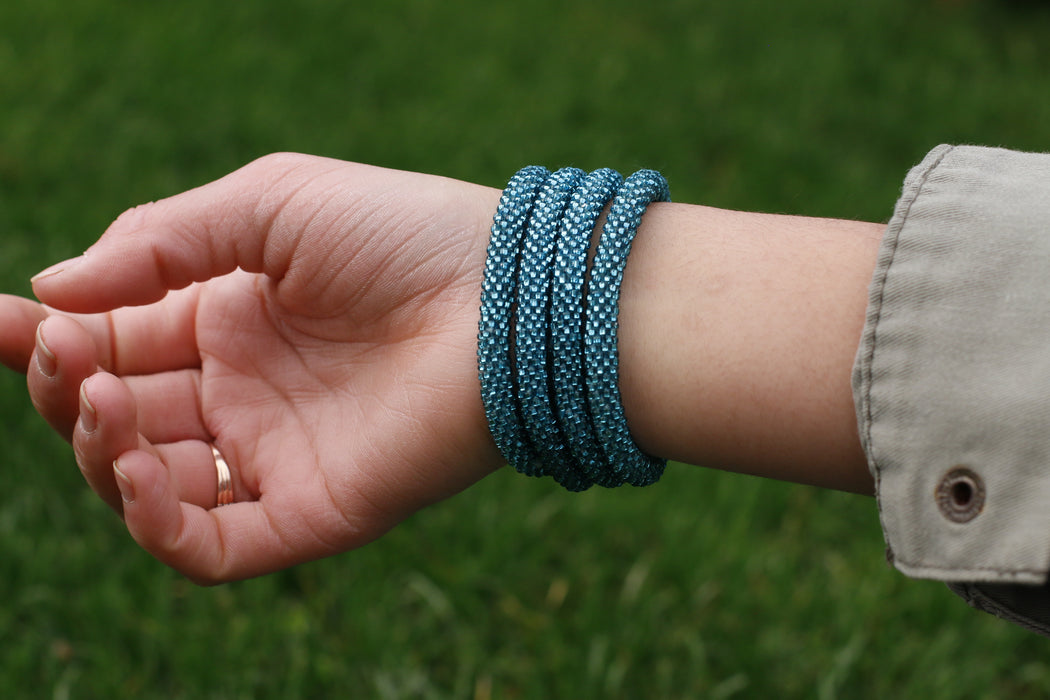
(225, 484)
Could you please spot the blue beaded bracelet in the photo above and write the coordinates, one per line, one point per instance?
(497, 304)
(532, 330)
(601, 355)
(567, 320)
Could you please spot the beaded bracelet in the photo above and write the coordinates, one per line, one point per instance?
(532, 331)
(601, 355)
(558, 411)
(497, 305)
(567, 323)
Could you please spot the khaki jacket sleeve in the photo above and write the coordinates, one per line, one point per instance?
(952, 379)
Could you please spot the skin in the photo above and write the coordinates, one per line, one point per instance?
(739, 333)
(317, 320)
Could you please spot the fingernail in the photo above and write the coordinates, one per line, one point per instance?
(55, 269)
(45, 359)
(88, 416)
(127, 489)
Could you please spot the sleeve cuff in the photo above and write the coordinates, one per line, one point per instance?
(952, 376)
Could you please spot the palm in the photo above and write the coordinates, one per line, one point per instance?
(303, 401)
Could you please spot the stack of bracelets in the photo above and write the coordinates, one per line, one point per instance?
(553, 399)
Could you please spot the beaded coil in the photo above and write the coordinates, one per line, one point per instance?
(547, 339)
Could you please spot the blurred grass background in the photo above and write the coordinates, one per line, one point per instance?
(707, 585)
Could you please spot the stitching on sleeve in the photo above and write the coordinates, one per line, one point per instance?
(869, 360)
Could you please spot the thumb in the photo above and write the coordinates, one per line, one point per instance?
(190, 237)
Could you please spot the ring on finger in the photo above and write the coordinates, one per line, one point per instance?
(222, 470)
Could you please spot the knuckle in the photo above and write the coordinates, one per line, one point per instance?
(278, 161)
(134, 218)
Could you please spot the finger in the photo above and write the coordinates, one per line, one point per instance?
(146, 339)
(209, 546)
(96, 443)
(169, 406)
(108, 428)
(135, 340)
(191, 237)
(63, 357)
(19, 318)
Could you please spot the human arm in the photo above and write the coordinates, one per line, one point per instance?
(336, 368)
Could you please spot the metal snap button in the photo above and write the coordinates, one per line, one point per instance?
(960, 495)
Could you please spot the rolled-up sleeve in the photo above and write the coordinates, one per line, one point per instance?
(952, 378)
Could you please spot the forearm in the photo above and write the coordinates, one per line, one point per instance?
(737, 337)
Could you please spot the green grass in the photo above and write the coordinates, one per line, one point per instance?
(706, 585)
